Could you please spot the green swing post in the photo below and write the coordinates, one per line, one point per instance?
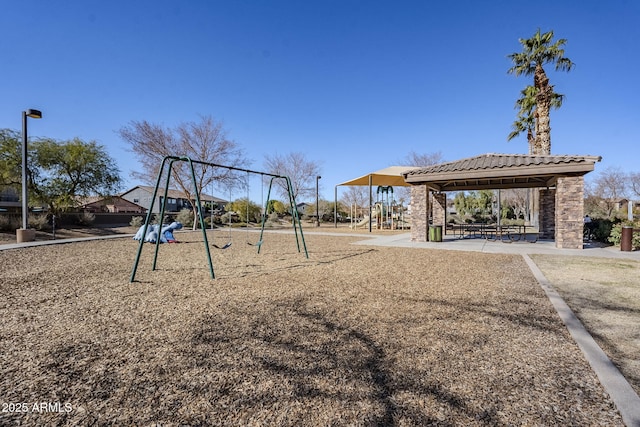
(147, 221)
(162, 210)
(296, 216)
(199, 209)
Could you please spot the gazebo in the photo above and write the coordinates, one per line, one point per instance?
(559, 178)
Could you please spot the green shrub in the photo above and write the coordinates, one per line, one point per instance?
(185, 217)
(136, 221)
(616, 234)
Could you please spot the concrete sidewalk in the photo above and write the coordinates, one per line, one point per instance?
(488, 246)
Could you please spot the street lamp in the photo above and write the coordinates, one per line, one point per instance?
(23, 234)
(317, 203)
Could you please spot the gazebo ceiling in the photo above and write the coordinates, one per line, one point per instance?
(500, 171)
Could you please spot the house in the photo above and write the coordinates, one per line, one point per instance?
(113, 204)
(142, 195)
(302, 208)
(10, 200)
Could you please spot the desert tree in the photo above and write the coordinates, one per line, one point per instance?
(60, 173)
(10, 158)
(301, 171)
(537, 52)
(205, 140)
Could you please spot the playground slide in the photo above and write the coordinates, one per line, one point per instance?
(365, 221)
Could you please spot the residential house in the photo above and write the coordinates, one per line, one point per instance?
(142, 195)
(10, 200)
(113, 204)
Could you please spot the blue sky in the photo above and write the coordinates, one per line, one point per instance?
(355, 85)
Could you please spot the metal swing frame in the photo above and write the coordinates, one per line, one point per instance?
(170, 160)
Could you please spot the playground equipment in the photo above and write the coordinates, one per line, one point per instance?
(170, 160)
(152, 235)
(385, 213)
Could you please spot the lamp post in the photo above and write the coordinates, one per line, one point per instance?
(24, 234)
(317, 202)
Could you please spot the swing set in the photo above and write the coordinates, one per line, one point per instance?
(170, 160)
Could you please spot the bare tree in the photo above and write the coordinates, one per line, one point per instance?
(418, 160)
(355, 195)
(609, 187)
(204, 141)
(421, 160)
(301, 172)
(634, 183)
(518, 200)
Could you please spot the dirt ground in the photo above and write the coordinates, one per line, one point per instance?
(605, 295)
(354, 335)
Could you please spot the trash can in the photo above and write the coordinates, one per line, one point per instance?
(626, 239)
(435, 233)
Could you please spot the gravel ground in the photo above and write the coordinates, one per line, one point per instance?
(354, 335)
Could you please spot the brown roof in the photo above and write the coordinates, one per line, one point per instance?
(492, 171)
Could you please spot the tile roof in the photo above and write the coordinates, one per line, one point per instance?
(501, 161)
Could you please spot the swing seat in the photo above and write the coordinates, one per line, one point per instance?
(227, 245)
(258, 243)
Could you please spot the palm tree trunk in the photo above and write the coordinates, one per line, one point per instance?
(543, 105)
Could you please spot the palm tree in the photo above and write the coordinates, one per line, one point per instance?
(537, 52)
(527, 116)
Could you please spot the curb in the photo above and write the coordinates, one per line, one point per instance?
(623, 395)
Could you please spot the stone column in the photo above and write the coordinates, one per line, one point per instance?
(440, 209)
(419, 213)
(569, 215)
(547, 219)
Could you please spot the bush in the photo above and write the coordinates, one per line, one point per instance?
(9, 223)
(85, 218)
(39, 222)
(602, 229)
(136, 221)
(185, 217)
(616, 234)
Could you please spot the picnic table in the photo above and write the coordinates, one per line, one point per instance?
(504, 233)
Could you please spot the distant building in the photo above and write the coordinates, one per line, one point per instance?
(302, 208)
(113, 204)
(141, 195)
(10, 200)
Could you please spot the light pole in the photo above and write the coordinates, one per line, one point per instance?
(317, 203)
(25, 235)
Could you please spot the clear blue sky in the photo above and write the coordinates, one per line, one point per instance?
(355, 85)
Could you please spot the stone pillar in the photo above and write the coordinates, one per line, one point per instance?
(547, 219)
(569, 212)
(419, 213)
(439, 209)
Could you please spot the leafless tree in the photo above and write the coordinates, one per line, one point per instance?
(634, 183)
(421, 160)
(204, 141)
(418, 160)
(301, 172)
(357, 195)
(518, 200)
(609, 187)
